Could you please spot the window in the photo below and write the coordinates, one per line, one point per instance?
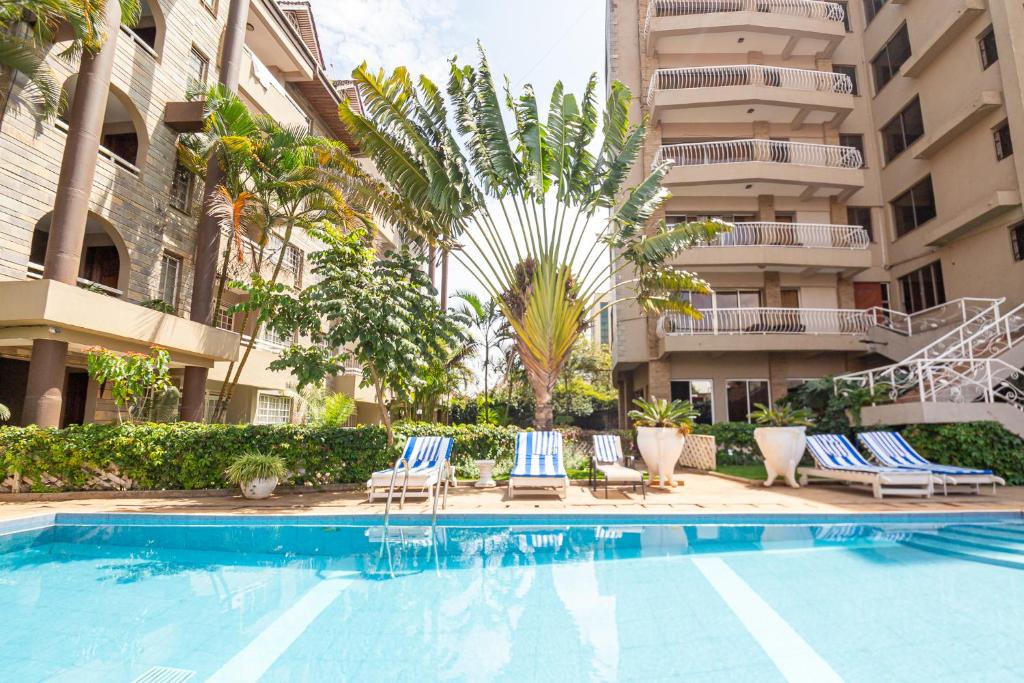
(987, 46)
(848, 70)
(861, 215)
(182, 186)
(739, 298)
(914, 208)
(923, 288)
(872, 7)
(198, 68)
(855, 140)
(1004, 145)
(742, 394)
(846, 14)
(903, 130)
(273, 410)
(209, 407)
(224, 320)
(292, 263)
(1017, 239)
(890, 58)
(170, 279)
(605, 326)
(699, 392)
(269, 335)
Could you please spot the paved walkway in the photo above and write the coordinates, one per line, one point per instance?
(700, 494)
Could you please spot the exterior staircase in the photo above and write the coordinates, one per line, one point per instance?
(971, 372)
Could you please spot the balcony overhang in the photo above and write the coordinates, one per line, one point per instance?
(986, 102)
(768, 342)
(764, 177)
(804, 260)
(957, 20)
(727, 32)
(46, 309)
(750, 103)
(184, 117)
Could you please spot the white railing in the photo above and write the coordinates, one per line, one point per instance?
(810, 9)
(765, 151)
(722, 321)
(949, 380)
(264, 344)
(137, 39)
(105, 153)
(35, 272)
(805, 235)
(749, 74)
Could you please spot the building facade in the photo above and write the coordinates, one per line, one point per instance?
(140, 237)
(863, 151)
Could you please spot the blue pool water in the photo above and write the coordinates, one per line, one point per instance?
(115, 598)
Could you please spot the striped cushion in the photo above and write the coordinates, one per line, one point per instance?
(890, 448)
(424, 454)
(538, 454)
(607, 448)
(835, 452)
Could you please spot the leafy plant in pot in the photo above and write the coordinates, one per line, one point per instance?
(257, 473)
(782, 438)
(661, 429)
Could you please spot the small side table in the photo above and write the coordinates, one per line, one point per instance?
(486, 480)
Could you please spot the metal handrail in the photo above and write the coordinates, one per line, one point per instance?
(105, 153)
(810, 9)
(799, 235)
(765, 321)
(35, 272)
(749, 74)
(757, 150)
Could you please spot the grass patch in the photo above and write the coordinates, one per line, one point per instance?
(756, 471)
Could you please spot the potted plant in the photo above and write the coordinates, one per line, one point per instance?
(781, 438)
(257, 473)
(661, 432)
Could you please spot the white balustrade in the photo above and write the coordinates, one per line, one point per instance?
(766, 151)
(732, 321)
(810, 9)
(806, 235)
(749, 74)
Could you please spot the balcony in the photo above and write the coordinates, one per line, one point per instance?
(781, 168)
(750, 92)
(775, 27)
(819, 247)
(766, 329)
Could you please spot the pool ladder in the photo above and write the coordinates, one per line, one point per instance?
(404, 464)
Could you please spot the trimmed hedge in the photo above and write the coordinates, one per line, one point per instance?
(985, 445)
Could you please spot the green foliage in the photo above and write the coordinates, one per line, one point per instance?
(255, 465)
(135, 379)
(781, 415)
(5, 413)
(157, 305)
(734, 440)
(836, 406)
(337, 409)
(661, 413)
(985, 445)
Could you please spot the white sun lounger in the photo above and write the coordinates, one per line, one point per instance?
(423, 467)
(892, 450)
(838, 460)
(609, 461)
(538, 463)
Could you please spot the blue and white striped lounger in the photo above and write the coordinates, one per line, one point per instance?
(423, 465)
(838, 460)
(538, 463)
(609, 461)
(892, 450)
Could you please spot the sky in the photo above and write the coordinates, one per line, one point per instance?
(531, 41)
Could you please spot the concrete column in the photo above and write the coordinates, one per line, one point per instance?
(776, 377)
(837, 211)
(772, 290)
(659, 379)
(45, 385)
(766, 208)
(844, 293)
(204, 278)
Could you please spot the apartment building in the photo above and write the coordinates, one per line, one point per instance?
(140, 236)
(863, 151)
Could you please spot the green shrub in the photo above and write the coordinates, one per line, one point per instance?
(985, 445)
(336, 410)
(735, 442)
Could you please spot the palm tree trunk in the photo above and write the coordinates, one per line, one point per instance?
(444, 280)
(432, 266)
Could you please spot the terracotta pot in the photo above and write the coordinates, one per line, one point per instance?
(259, 488)
(782, 448)
(660, 447)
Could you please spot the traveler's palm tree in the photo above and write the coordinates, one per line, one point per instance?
(29, 27)
(537, 206)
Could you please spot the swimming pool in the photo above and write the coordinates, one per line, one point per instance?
(175, 598)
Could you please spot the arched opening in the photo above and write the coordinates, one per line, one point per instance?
(104, 259)
(149, 29)
(123, 138)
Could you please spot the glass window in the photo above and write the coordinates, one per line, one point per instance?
(1017, 239)
(743, 394)
(851, 71)
(855, 140)
(846, 14)
(223, 319)
(170, 279)
(182, 185)
(209, 407)
(198, 67)
(292, 262)
(891, 57)
(861, 215)
(903, 130)
(923, 288)
(987, 45)
(699, 392)
(1004, 145)
(871, 8)
(605, 329)
(914, 207)
(273, 410)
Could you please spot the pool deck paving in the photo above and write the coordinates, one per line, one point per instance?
(700, 494)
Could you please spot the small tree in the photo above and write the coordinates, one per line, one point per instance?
(378, 311)
(135, 379)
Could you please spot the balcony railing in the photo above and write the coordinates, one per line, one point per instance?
(767, 151)
(733, 321)
(35, 272)
(104, 152)
(810, 9)
(801, 235)
(749, 74)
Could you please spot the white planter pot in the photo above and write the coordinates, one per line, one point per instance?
(782, 448)
(259, 488)
(486, 480)
(660, 447)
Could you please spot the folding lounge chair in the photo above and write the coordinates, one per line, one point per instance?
(838, 460)
(609, 461)
(422, 467)
(538, 463)
(892, 450)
